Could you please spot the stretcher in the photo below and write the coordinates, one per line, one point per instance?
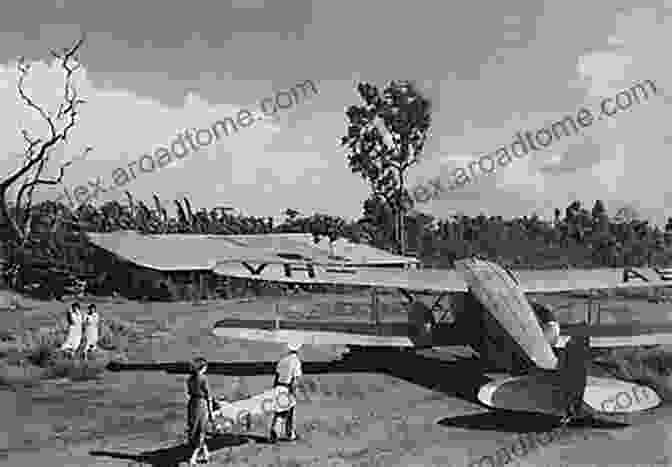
(230, 414)
(240, 413)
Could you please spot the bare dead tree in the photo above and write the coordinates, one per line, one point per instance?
(37, 149)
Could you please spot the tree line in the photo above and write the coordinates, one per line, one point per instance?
(576, 237)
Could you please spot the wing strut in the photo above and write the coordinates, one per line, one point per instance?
(593, 308)
(436, 307)
(375, 309)
(449, 309)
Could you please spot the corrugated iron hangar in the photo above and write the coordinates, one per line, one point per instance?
(179, 266)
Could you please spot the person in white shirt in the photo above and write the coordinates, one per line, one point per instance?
(91, 323)
(548, 321)
(287, 372)
(74, 337)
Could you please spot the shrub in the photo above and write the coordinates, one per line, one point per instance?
(115, 334)
(75, 370)
(13, 376)
(7, 335)
(36, 355)
(308, 385)
(42, 355)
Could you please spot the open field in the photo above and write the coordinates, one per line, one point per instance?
(132, 418)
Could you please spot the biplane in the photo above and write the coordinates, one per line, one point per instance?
(489, 311)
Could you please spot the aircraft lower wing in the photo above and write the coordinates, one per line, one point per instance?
(403, 334)
(439, 280)
(619, 335)
(342, 333)
(393, 334)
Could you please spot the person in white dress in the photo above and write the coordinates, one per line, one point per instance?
(91, 322)
(74, 337)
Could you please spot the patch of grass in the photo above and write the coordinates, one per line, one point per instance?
(403, 436)
(324, 388)
(116, 334)
(313, 425)
(42, 355)
(35, 355)
(7, 335)
(291, 462)
(348, 389)
(342, 387)
(307, 385)
(75, 370)
(17, 376)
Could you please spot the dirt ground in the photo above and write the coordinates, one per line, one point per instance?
(135, 418)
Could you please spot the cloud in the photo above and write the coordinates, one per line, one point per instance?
(581, 155)
(633, 144)
(121, 126)
(616, 159)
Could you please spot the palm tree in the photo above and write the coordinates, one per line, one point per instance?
(183, 223)
(161, 213)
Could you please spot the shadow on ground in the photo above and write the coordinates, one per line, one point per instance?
(514, 422)
(172, 456)
(459, 378)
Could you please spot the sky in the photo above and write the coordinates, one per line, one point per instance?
(154, 68)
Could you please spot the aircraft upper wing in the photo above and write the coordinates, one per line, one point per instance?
(619, 334)
(438, 280)
(553, 281)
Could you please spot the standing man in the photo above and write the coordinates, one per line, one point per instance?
(287, 373)
(74, 337)
(574, 376)
(91, 322)
(199, 410)
(423, 320)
